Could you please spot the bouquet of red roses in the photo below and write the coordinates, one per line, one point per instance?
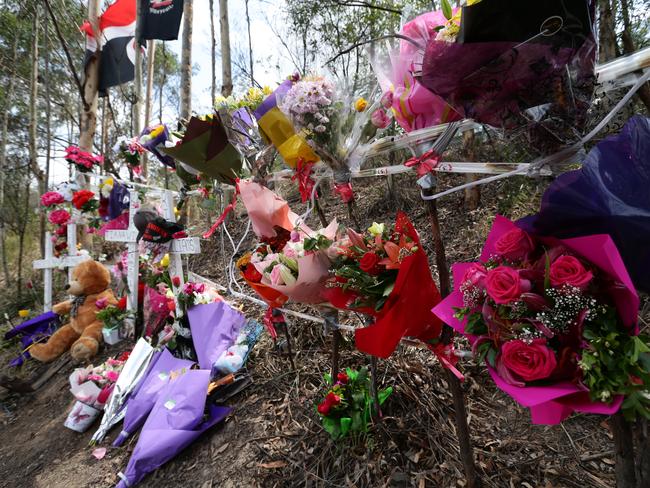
(555, 322)
(384, 273)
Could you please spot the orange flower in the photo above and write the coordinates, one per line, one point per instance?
(396, 253)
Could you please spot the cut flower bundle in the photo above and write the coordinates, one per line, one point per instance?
(555, 322)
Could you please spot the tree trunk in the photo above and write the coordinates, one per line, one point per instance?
(213, 43)
(226, 68)
(48, 125)
(624, 449)
(24, 223)
(151, 57)
(186, 62)
(3, 159)
(90, 86)
(33, 121)
(250, 45)
(607, 32)
(136, 109)
(629, 47)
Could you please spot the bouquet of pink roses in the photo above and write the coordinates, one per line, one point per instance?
(93, 385)
(555, 322)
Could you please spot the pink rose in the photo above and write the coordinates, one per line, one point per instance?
(475, 275)
(51, 198)
(380, 119)
(514, 244)
(567, 270)
(504, 285)
(529, 362)
(59, 217)
(101, 303)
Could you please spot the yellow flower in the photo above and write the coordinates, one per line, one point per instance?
(360, 105)
(267, 90)
(176, 211)
(164, 262)
(157, 131)
(108, 182)
(23, 313)
(376, 229)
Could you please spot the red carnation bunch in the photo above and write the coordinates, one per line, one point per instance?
(83, 200)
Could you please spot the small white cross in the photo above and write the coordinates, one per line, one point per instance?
(50, 262)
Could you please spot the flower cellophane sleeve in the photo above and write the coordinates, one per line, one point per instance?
(206, 148)
(553, 403)
(266, 209)
(413, 105)
(312, 273)
(607, 195)
(407, 312)
(503, 67)
(277, 129)
(176, 420)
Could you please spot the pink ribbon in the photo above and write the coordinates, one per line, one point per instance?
(447, 357)
(424, 164)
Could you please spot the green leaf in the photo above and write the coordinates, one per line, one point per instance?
(388, 289)
(446, 9)
(328, 378)
(492, 357)
(384, 394)
(346, 423)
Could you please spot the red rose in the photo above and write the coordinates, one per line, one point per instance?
(333, 399)
(567, 270)
(81, 197)
(343, 378)
(121, 304)
(475, 275)
(529, 362)
(176, 281)
(504, 285)
(324, 408)
(514, 244)
(369, 263)
(61, 230)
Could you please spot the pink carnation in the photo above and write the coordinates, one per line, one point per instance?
(59, 217)
(51, 198)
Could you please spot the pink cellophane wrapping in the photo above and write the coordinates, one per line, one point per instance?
(414, 106)
(553, 403)
(266, 209)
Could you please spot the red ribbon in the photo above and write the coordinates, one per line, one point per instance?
(229, 208)
(424, 164)
(344, 190)
(447, 357)
(305, 181)
(271, 317)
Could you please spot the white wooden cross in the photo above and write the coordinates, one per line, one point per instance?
(50, 262)
(133, 255)
(187, 245)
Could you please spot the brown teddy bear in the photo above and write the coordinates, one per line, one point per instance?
(83, 334)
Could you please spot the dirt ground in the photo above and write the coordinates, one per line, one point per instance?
(273, 437)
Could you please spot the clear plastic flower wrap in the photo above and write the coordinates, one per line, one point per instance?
(518, 65)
